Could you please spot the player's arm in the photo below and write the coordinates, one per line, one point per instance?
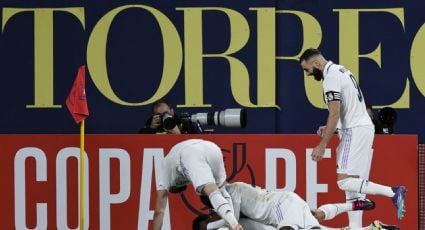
(237, 210)
(160, 204)
(334, 113)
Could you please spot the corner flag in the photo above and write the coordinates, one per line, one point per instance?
(77, 105)
(76, 100)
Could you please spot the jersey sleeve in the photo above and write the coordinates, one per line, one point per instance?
(332, 87)
(162, 179)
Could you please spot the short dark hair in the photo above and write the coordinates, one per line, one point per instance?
(308, 53)
(159, 102)
(206, 201)
(199, 221)
(177, 189)
(369, 106)
(287, 228)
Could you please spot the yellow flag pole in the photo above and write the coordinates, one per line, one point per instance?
(82, 175)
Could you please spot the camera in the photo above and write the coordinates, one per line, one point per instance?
(387, 119)
(231, 118)
(168, 121)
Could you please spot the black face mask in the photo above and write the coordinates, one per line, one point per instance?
(318, 75)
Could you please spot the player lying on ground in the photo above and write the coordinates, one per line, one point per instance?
(201, 222)
(280, 210)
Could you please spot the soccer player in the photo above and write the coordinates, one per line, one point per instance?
(198, 162)
(346, 105)
(282, 210)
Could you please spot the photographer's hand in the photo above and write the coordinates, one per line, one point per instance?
(175, 130)
(156, 121)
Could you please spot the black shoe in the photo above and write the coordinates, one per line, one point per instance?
(365, 204)
(378, 225)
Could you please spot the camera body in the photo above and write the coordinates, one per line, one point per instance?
(387, 117)
(168, 121)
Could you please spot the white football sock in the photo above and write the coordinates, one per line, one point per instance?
(223, 208)
(355, 218)
(364, 186)
(332, 210)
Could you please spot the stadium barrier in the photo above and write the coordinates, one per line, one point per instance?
(39, 177)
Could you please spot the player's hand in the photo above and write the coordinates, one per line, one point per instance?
(318, 153)
(240, 227)
(156, 121)
(320, 130)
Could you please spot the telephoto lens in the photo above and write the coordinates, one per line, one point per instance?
(233, 118)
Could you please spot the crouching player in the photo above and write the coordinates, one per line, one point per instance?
(198, 162)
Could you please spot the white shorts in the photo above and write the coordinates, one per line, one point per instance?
(295, 212)
(202, 163)
(354, 153)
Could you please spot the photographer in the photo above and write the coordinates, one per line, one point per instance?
(162, 109)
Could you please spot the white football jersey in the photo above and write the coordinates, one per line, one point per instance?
(276, 208)
(339, 84)
(255, 203)
(193, 161)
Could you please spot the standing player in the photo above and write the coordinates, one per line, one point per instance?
(346, 104)
(282, 210)
(198, 162)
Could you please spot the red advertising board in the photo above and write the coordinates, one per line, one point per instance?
(39, 177)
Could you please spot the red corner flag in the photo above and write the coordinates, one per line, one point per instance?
(76, 101)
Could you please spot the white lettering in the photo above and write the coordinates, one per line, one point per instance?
(105, 196)
(312, 187)
(156, 156)
(20, 196)
(62, 189)
(272, 155)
